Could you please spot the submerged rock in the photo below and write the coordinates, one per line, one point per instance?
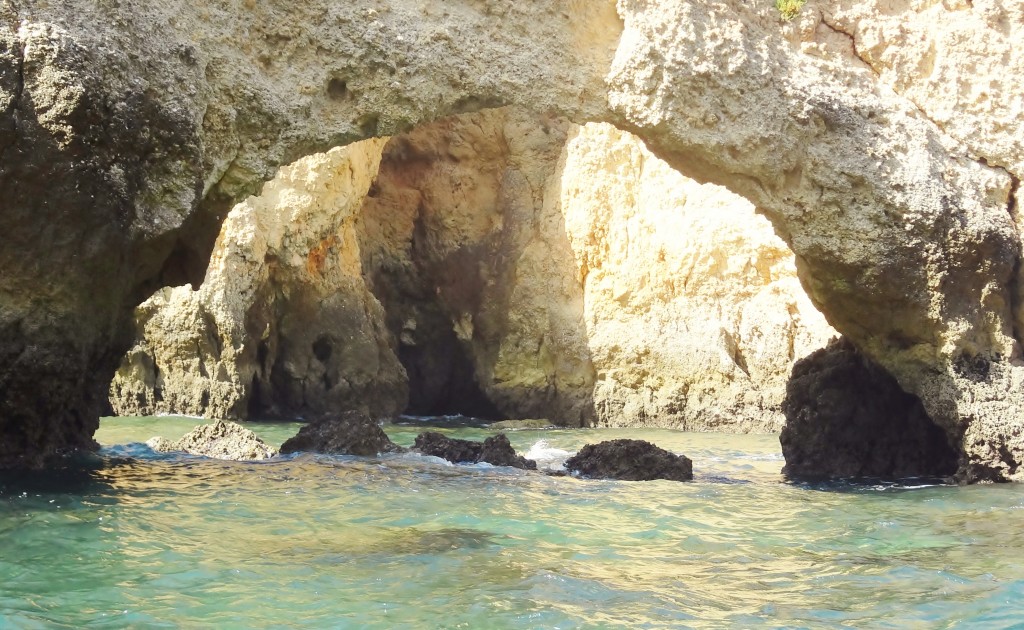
(847, 417)
(495, 450)
(351, 433)
(630, 460)
(220, 440)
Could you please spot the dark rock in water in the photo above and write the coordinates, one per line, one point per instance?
(220, 440)
(352, 433)
(847, 417)
(495, 450)
(457, 451)
(630, 460)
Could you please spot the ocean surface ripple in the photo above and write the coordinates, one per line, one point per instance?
(134, 538)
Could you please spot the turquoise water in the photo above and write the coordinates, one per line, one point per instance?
(138, 539)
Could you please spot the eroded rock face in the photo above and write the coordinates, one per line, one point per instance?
(283, 323)
(220, 440)
(629, 460)
(580, 278)
(526, 267)
(846, 417)
(128, 130)
(495, 450)
(693, 312)
(351, 433)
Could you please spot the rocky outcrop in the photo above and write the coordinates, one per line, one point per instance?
(220, 440)
(846, 417)
(691, 305)
(495, 450)
(525, 265)
(629, 460)
(569, 273)
(283, 323)
(351, 433)
(128, 130)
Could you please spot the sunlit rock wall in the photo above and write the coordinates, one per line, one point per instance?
(527, 267)
(283, 323)
(693, 311)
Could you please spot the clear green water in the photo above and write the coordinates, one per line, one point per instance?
(145, 540)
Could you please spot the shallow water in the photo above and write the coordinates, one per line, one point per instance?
(139, 539)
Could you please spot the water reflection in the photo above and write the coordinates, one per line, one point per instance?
(150, 540)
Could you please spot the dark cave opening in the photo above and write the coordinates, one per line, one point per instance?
(442, 380)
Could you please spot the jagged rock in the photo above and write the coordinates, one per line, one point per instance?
(495, 450)
(160, 444)
(846, 417)
(283, 324)
(629, 460)
(220, 440)
(125, 136)
(351, 433)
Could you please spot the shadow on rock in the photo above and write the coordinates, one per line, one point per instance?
(848, 418)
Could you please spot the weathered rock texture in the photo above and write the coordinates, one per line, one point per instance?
(351, 433)
(629, 460)
(570, 274)
(220, 440)
(846, 417)
(527, 267)
(283, 319)
(691, 306)
(127, 129)
(495, 450)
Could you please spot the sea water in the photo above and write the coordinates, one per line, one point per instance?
(134, 538)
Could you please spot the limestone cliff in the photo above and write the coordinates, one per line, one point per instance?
(283, 319)
(582, 279)
(129, 128)
(470, 259)
(693, 312)
(527, 267)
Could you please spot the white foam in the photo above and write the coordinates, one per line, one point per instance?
(547, 456)
(179, 415)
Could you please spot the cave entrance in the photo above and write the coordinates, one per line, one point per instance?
(500, 264)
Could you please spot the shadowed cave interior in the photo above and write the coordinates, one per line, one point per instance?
(501, 265)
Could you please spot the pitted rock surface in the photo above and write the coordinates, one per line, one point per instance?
(351, 433)
(629, 460)
(220, 440)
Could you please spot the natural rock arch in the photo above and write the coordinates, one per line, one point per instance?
(498, 264)
(128, 128)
